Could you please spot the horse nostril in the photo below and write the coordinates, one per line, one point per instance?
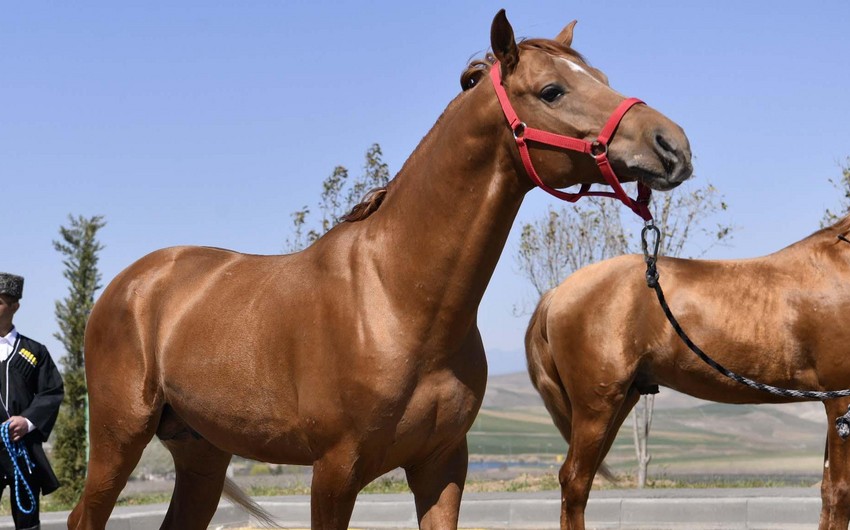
(668, 153)
(664, 144)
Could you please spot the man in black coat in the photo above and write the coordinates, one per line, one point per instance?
(31, 392)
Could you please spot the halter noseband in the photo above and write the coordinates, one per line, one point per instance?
(598, 149)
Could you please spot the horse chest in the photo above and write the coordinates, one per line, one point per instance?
(443, 406)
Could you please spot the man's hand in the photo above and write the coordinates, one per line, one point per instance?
(18, 427)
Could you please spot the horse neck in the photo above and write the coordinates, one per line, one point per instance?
(820, 254)
(819, 251)
(444, 223)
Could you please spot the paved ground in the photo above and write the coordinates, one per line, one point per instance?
(657, 509)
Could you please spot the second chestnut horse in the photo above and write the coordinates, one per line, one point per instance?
(600, 339)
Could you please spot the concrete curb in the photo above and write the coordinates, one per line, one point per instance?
(732, 509)
(139, 518)
(699, 509)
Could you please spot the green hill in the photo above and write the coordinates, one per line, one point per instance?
(689, 436)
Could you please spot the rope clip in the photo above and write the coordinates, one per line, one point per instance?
(650, 257)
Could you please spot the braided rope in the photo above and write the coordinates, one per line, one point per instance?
(17, 450)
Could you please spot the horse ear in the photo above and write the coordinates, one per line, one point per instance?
(565, 37)
(503, 44)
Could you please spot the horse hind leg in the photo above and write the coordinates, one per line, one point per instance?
(200, 469)
(118, 434)
(594, 428)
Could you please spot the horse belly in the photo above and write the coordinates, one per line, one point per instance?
(239, 414)
(690, 375)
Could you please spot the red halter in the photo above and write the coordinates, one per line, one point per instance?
(598, 149)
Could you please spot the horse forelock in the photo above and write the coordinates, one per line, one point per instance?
(478, 68)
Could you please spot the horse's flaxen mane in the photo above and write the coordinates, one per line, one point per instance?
(479, 67)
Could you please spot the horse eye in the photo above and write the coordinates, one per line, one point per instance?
(550, 93)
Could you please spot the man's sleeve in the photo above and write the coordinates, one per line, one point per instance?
(44, 409)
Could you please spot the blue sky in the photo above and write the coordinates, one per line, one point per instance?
(209, 122)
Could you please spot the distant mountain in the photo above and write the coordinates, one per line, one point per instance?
(511, 391)
(688, 435)
(515, 391)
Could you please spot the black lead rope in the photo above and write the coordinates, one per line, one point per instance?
(842, 424)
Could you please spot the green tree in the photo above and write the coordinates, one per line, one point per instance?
(841, 184)
(340, 193)
(80, 247)
(591, 230)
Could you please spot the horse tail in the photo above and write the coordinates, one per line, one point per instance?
(542, 369)
(544, 374)
(237, 496)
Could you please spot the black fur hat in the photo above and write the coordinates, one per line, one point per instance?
(12, 285)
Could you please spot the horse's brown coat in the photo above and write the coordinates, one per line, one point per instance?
(781, 319)
(361, 353)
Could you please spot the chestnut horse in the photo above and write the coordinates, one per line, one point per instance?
(600, 339)
(360, 354)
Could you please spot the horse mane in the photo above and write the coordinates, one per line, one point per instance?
(827, 233)
(478, 68)
(370, 203)
(842, 226)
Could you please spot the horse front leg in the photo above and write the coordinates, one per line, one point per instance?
(437, 486)
(835, 488)
(336, 482)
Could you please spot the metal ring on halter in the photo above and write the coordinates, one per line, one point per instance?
(519, 130)
(598, 149)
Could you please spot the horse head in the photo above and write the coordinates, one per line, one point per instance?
(552, 88)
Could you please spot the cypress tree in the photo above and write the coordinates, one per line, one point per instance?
(80, 248)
